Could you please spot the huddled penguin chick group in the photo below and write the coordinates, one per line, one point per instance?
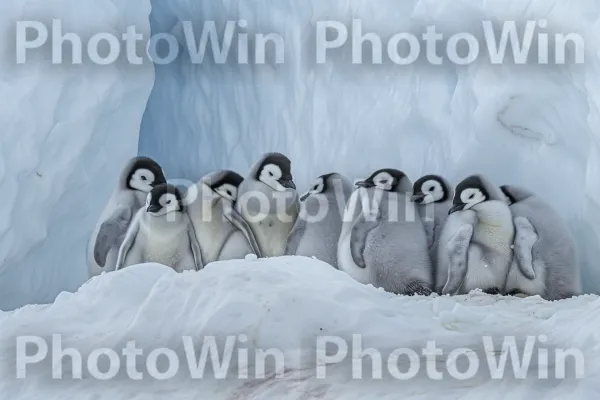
(206, 223)
(409, 239)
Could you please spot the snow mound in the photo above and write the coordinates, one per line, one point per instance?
(67, 130)
(536, 126)
(287, 303)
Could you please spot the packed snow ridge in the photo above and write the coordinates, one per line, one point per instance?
(288, 303)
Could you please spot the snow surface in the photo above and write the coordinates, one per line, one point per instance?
(66, 133)
(525, 125)
(286, 303)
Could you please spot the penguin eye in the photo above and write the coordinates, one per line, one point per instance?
(168, 201)
(228, 193)
(471, 197)
(144, 178)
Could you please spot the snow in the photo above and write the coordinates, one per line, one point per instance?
(287, 303)
(66, 133)
(536, 126)
(68, 130)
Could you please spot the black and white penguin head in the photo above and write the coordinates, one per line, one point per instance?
(143, 174)
(321, 185)
(385, 179)
(430, 189)
(225, 184)
(469, 193)
(515, 194)
(275, 171)
(163, 199)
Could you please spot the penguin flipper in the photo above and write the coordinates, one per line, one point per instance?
(293, 239)
(456, 249)
(525, 238)
(240, 223)
(429, 232)
(132, 232)
(358, 237)
(111, 233)
(195, 247)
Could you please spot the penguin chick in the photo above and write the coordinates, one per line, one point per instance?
(268, 201)
(317, 229)
(433, 196)
(162, 232)
(383, 241)
(477, 252)
(221, 231)
(545, 254)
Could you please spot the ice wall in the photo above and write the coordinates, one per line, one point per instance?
(66, 132)
(530, 125)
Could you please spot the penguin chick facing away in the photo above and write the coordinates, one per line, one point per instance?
(475, 246)
(268, 201)
(545, 256)
(162, 232)
(221, 231)
(433, 196)
(318, 226)
(139, 176)
(383, 241)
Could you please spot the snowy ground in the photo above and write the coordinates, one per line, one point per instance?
(287, 303)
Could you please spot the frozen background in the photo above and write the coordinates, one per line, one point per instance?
(68, 130)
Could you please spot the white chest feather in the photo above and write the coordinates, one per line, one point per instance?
(271, 233)
(494, 228)
(161, 241)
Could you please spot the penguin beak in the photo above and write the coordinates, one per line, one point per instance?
(418, 197)
(305, 196)
(455, 208)
(153, 208)
(365, 184)
(288, 184)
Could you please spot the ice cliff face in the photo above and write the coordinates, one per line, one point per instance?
(66, 131)
(531, 125)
